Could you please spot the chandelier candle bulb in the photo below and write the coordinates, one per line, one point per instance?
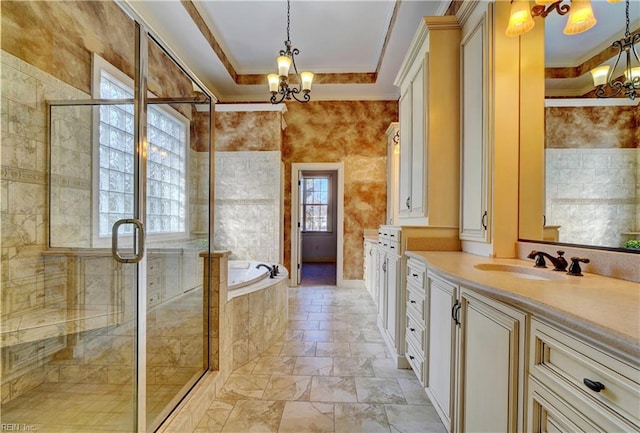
(581, 17)
(274, 82)
(307, 80)
(284, 63)
(632, 74)
(600, 75)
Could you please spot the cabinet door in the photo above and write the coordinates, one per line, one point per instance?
(395, 300)
(418, 145)
(404, 197)
(491, 365)
(382, 288)
(366, 266)
(441, 342)
(474, 215)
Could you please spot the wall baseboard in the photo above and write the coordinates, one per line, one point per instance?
(352, 284)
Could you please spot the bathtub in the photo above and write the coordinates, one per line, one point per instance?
(244, 277)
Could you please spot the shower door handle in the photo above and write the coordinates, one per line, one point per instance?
(138, 241)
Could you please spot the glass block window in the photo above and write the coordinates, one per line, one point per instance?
(315, 203)
(166, 164)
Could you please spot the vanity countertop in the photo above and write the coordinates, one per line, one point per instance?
(605, 309)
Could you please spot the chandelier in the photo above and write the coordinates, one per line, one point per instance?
(603, 75)
(580, 18)
(279, 83)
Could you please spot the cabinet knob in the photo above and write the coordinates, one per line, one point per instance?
(412, 301)
(593, 385)
(411, 357)
(412, 329)
(415, 275)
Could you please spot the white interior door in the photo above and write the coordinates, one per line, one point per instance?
(300, 220)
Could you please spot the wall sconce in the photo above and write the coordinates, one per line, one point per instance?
(580, 19)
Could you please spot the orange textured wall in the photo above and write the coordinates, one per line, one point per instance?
(351, 132)
(592, 127)
(248, 130)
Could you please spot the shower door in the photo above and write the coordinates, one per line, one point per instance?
(177, 233)
(111, 331)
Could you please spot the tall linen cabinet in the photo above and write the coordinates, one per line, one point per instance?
(428, 183)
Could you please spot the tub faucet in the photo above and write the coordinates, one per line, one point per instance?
(269, 268)
(559, 263)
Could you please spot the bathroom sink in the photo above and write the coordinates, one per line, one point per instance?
(521, 271)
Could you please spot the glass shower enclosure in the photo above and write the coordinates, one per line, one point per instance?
(119, 334)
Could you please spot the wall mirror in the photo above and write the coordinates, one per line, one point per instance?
(592, 154)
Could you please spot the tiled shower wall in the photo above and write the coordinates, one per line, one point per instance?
(592, 194)
(25, 290)
(592, 173)
(248, 203)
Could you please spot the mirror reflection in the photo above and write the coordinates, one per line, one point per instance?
(592, 155)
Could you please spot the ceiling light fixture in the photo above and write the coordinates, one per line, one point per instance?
(279, 83)
(629, 84)
(521, 16)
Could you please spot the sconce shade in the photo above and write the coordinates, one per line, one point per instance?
(581, 17)
(520, 19)
(274, 81)
(307, 80)
(600, 75)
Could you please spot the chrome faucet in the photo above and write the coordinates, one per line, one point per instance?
(269, 268)
(559, 263)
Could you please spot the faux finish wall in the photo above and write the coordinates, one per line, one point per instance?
(351, 132)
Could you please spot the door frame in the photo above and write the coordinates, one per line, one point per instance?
(296, 169)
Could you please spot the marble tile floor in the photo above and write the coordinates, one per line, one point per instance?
(330, 373)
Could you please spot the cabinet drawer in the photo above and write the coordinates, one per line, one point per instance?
(153, 283)
(560, 358)
(416, 361)
(415, 333)
(153, 266)
(153, 298)
(389, 237)
(415, 302)
(416, 272)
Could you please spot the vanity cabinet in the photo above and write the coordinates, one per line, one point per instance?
(370, 267)
(390, 292)
(416, 311)
(428, 186)
(474, 363)
(574, 385)
(491, 365)
(443, 296)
